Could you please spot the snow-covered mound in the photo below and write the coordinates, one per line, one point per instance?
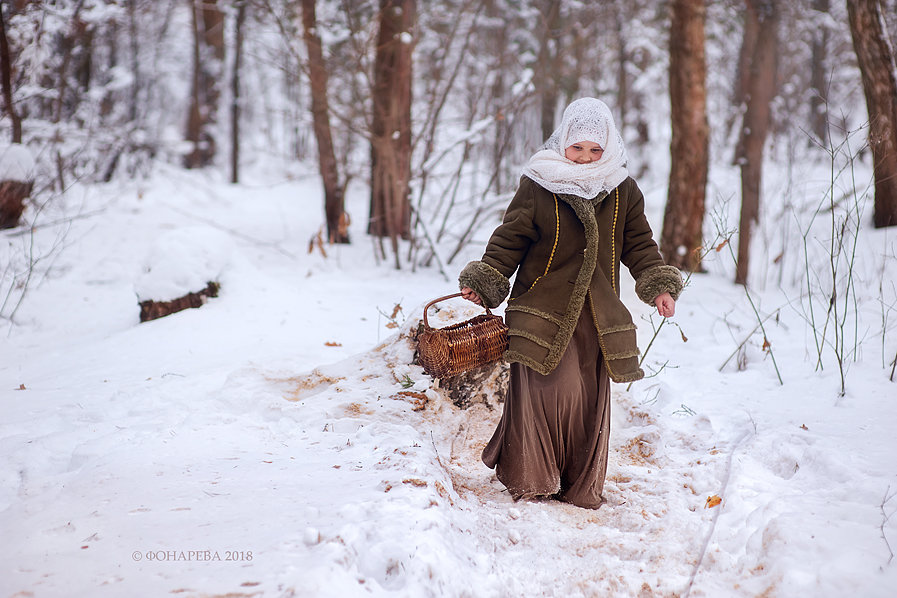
(16, 163)
(183, 261)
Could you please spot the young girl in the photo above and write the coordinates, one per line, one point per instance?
(576, 215)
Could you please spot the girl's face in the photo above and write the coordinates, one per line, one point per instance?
(583, 152)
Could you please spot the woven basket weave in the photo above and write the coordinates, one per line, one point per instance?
(455, 349)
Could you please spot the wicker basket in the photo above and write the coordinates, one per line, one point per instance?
(455, 349)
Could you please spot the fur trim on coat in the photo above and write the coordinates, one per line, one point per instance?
(656, 281)
(489, 283)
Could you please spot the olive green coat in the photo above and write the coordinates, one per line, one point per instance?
(567, 251)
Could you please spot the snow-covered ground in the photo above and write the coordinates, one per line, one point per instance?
(262, 446)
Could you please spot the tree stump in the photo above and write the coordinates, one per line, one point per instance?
(12, 201)
(487, 385)
(151, 310)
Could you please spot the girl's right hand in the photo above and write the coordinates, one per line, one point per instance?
(471, 295)
(666, 305)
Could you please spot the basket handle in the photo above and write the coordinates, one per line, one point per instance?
(452, 296)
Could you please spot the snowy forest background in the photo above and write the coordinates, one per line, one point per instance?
(100, 90)
(160, 145)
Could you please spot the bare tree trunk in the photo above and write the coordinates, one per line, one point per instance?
(65, 101)
(12, 192)
(819, 72)
(743, 73)
(877, 65)
(497, 42)
(549, 62)
(235, 94)
(684, 214)
(68, 46)
(208, 56)
(760, 91)
(107, 104)
(134, 47)
(391, 124)
(194, 112)
(576, 62)
(631, 63)
(83, 66)
(334, 205)
(6, 81)
(622, 62)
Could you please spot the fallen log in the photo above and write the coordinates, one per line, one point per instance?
(151, 310)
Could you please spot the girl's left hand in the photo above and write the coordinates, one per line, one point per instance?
(666, 305)
(471, 295)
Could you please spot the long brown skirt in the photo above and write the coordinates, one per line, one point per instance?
(552, 439)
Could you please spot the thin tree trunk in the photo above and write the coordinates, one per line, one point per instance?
(576, 62)
(235, 95)
(819, 72)
(549, 63)
(497, 42)
(83, 66)
(761, 89)
(208, 56)
(135, 60)
(6, 81)
(194, 112)
(684, 214)
(391, 124)
(743, 73)
(622, 63)
(334, 206)
(877, 65)
(68, 43)
(111, 37)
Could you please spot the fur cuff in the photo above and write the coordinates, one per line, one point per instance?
(631, 377)
(489, 283)
(657, 280)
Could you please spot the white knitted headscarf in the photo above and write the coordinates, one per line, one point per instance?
(586, 119)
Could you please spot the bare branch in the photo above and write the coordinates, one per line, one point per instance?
(884, 520)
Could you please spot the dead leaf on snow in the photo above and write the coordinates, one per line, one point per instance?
(317, 242)
(712, 501)
(420, 399)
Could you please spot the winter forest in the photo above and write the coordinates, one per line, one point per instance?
(221, 221)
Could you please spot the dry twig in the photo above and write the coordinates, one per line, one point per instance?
(884, 520)
(694, 573)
